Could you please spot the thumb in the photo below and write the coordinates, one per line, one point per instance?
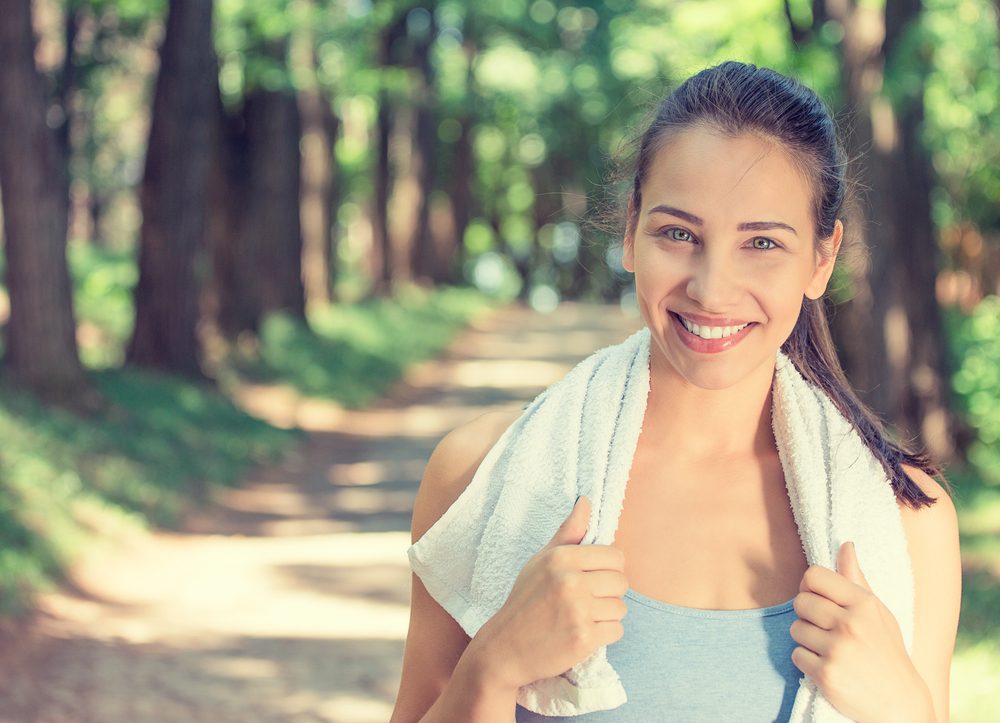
(848, 566)
(574, 527)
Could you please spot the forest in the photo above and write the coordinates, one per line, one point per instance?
(198, 193)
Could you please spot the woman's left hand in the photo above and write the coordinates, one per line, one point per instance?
(850, 645)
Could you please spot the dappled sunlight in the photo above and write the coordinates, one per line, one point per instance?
(371, 473)
(506, 373)
(289, 597)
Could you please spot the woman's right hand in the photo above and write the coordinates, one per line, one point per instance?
(566, 602)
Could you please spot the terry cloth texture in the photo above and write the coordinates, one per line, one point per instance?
(578, 437)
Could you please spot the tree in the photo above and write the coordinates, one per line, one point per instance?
(41, 333)
(173, 194)
(892, 337)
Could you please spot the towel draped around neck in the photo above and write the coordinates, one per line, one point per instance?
(578, 437)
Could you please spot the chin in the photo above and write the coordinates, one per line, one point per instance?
(712, 372)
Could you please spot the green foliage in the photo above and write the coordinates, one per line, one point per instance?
(160, 445)
(353, 353)
(976, 346)
(103, 281)
(962, 96)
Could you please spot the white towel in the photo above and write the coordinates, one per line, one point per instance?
(578, 437)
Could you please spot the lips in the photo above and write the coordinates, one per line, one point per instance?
(725, 333)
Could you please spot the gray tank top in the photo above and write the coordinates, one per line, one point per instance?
(682, 665)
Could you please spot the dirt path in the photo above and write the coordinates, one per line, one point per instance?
(289, 600)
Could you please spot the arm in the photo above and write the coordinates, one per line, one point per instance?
(442, 678)
(932, 538)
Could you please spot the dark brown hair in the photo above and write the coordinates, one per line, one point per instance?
(738, 98)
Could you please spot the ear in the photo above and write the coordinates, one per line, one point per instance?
(628, 252)
(824, 264)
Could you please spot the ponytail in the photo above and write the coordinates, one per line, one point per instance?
(810, 347)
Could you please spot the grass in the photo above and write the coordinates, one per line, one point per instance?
(163, 444)
(976, 665)
(160, 445)
(351, 354)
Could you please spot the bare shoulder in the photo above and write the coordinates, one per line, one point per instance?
(453, 464)
(931, 531)
(435, 642)
(933, 544)
(940, 516)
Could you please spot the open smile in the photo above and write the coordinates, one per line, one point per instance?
(706, 338)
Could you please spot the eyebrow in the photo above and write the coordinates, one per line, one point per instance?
(745, 226)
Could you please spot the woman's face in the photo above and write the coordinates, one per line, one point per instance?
(723, 252)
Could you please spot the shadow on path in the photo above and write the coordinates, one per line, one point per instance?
(288, 600)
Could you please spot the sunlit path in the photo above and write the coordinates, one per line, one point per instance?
(289, 600)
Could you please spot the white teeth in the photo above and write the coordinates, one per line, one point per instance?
(712, 332)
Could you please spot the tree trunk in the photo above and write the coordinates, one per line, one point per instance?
(229, 299)
(319, 135)
(461, 188)
(427, 260)
(925, 405)
(173, 194)
(41, 349)
(382, 272)
(891, 338)
(272, 230)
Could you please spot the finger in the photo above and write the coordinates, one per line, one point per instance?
(606, 583)
(608, 632)
(595, 557)
(829, 584)
(810, 636)
(608, 608)
(849, 567)
(807, 661)
(574, 527)
(818, 610)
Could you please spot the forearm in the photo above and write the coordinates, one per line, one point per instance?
(916, 706)
(472, 696)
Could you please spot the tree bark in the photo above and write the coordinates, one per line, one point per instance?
(272, 230)
(891, 338)
(229, 296)
(925, 404)
(383, 257)
(173, 194)
(41, 345)
(319, 135)
(427, 260)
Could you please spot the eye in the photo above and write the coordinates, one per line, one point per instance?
(763, 244)
(678, 234)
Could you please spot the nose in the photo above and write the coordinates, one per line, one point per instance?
(712, 284)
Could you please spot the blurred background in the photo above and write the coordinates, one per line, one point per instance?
(235, 231)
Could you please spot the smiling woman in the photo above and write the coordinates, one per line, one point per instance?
(721, 594)
(701, 267)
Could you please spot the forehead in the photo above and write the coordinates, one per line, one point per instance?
(720, 178)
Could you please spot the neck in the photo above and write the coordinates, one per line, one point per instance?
(707, 424)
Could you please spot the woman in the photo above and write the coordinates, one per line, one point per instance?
(732, 234)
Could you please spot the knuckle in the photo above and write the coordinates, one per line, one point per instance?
(795, 629)
(580, 637)
(567, 586)
(557, 557)
(811, 575)
(798, 604)
(849, 626)
(622, 609)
